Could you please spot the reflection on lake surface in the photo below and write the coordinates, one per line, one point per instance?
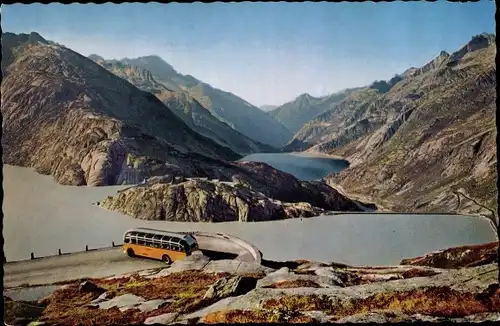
(41, 217)
(302, 166)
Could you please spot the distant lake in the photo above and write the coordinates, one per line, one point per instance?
(41, 216)
(303, 166)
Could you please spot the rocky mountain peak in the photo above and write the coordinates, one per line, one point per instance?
(434, 64)
(443, 54)
(306, 96)
(480, 41)
(477, 42)
(96, 58)
(152, 63)
(30, 38)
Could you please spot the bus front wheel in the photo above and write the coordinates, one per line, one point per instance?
(130, 252)
(166, 259)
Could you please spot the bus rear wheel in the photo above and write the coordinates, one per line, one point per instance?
(130, 252)
(166, 259)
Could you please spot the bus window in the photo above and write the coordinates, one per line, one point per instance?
(127, 240)
(184, 246)
(148, 240)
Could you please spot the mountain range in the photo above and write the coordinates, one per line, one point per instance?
(304, 108)
(69, 117)
(242, 116)
(423, 143)
(185, 107)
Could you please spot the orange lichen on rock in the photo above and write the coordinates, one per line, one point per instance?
(299, 303)
(255, 316)
(69, 305)
(435, 301)
(294, 284)
(463, 256)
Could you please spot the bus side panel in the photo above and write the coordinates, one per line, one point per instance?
(155, 253)
(174, 255)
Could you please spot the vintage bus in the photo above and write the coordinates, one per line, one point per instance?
(158, 244)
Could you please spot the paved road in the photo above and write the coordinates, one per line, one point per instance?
(101, 263)
(98, 263)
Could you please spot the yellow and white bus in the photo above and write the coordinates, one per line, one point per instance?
(158, 244)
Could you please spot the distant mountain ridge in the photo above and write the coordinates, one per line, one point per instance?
(267, 108)
(414, 146)
(305, 107)
(186, 107)
(227, 107)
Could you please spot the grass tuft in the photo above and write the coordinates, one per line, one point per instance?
(435, 301)
(68, 306)
(238, 316)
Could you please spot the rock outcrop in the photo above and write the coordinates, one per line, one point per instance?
(249, 191)
(458, 257)
(67, 116)
(20, 312)
(200, 200)
(283, 186)
(429, 138)
(303, 292)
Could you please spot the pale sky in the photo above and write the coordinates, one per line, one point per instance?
(266, 53)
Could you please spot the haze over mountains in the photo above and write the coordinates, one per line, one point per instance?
(185, 107)
(268, 108)
(229, 108)
(296, 113)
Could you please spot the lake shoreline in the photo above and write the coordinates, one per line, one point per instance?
(36, 207)
(319, 154)
(382, 206)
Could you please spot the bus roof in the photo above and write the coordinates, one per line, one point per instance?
(161, 232)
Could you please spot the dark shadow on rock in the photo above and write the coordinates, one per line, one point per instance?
(89, 287)
(280, 264)
(20, 312)
(218, 255)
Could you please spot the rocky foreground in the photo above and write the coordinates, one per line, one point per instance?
(257, 192)
(198, 290)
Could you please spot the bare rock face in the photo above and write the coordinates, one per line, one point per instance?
(430, 136)
(240, 115)
(185, 107)
(230, 286)
(285, 187)
(457, 257)
(67, 116)
(203, 200)
(246, 191)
